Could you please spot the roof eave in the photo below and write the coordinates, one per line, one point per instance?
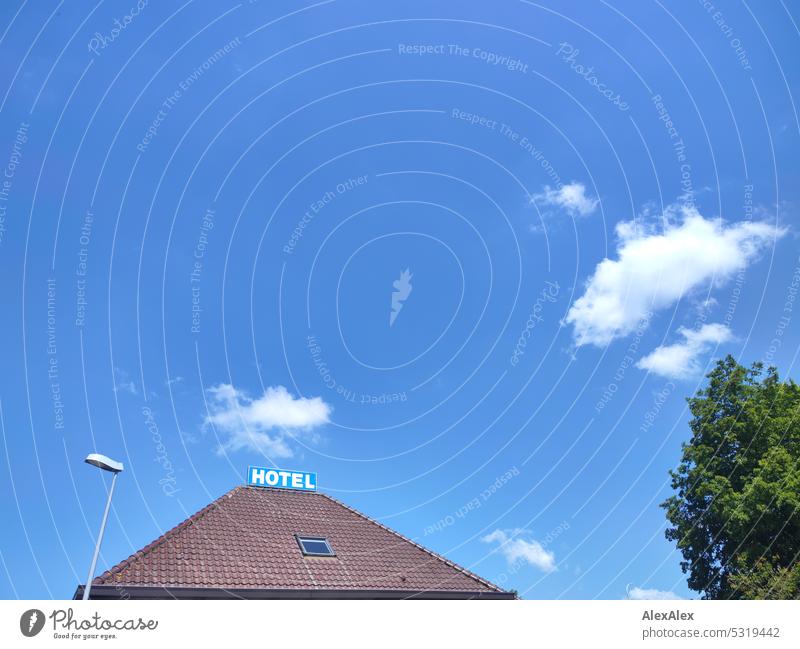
(121, 591)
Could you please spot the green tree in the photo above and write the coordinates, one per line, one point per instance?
(735, 515)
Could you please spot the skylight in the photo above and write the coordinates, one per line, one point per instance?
(315, 546)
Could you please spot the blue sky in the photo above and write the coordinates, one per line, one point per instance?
(464, 261)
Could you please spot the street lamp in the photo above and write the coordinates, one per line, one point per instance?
(107, 464)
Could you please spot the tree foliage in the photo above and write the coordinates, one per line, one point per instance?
(735, 515)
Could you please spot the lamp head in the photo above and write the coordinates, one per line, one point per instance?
(103, 462)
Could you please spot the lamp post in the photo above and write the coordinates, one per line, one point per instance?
(107, 464)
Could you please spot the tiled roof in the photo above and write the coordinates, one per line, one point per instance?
(246, 540)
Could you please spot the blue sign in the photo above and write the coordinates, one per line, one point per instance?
(258, 476)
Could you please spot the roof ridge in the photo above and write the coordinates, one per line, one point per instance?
(450, 563)
(166, 536)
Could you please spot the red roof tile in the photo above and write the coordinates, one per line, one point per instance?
(246, 540)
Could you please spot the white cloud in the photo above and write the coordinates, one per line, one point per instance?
(266, 424)
(654, 269)
(681, 360)
(651, 593)
(572, 197)
(516, 549)
(123, 383)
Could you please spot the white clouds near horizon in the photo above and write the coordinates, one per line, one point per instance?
(681, 360)
(516, 549)
(651, 593)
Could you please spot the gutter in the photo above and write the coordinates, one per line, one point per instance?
(121, 591)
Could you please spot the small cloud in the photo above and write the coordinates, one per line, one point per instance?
(266, 424)
(123, 382)
(704, 306)
(650, 593)
(517, 550)
(188, 438)
(571, 197)
(656, 266)
(681, 360)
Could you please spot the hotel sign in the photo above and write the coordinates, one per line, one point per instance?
(258, 476)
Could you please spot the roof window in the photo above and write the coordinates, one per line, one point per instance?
(315, 546)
